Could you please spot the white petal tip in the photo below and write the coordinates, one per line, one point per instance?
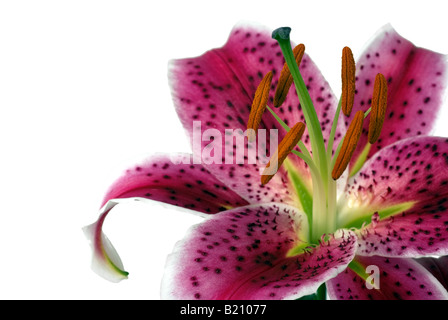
(105, 259)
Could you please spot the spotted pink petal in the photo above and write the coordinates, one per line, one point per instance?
(438, 268)
(242, 254)
(406, 183)
(416, 82)
(167, 179)
(399, 279)
(411, 170)
(217, 89)
(420, 231)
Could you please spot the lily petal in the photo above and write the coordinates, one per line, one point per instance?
(243, 254)
(175, 180)
(411, 171)
(416, 232)
(416, 81)
(105, 260)
(405, 186)
(399, 279)
(217, 89)
(438, 268)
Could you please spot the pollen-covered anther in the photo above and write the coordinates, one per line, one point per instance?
(348, 81)
(348, 145)
(284, 148)
(259, 106)
(378, 109)
(285, 80)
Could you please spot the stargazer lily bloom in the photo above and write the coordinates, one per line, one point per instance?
(357, 194)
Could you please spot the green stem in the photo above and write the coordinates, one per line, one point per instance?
(367, 112)
(332, 185)
(321, 293)
(307, 160)
(331, 205)
(319, 225)
(333, 131)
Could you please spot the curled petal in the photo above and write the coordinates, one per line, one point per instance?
(105, 260)
(381, 278)
(252, 253)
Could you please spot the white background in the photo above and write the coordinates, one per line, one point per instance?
(84, 92)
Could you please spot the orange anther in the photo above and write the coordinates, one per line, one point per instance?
(284, 148)
(348, 145)
(378, 109)
(259, 105)
(285, 80)
(348, 81)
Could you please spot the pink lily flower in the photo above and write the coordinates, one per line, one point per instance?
(304, 230)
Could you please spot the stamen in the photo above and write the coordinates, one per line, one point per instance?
(286, 79)
(348, 81)
(349, 145)
(258, 106)
(284, 148)
(378, 109)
